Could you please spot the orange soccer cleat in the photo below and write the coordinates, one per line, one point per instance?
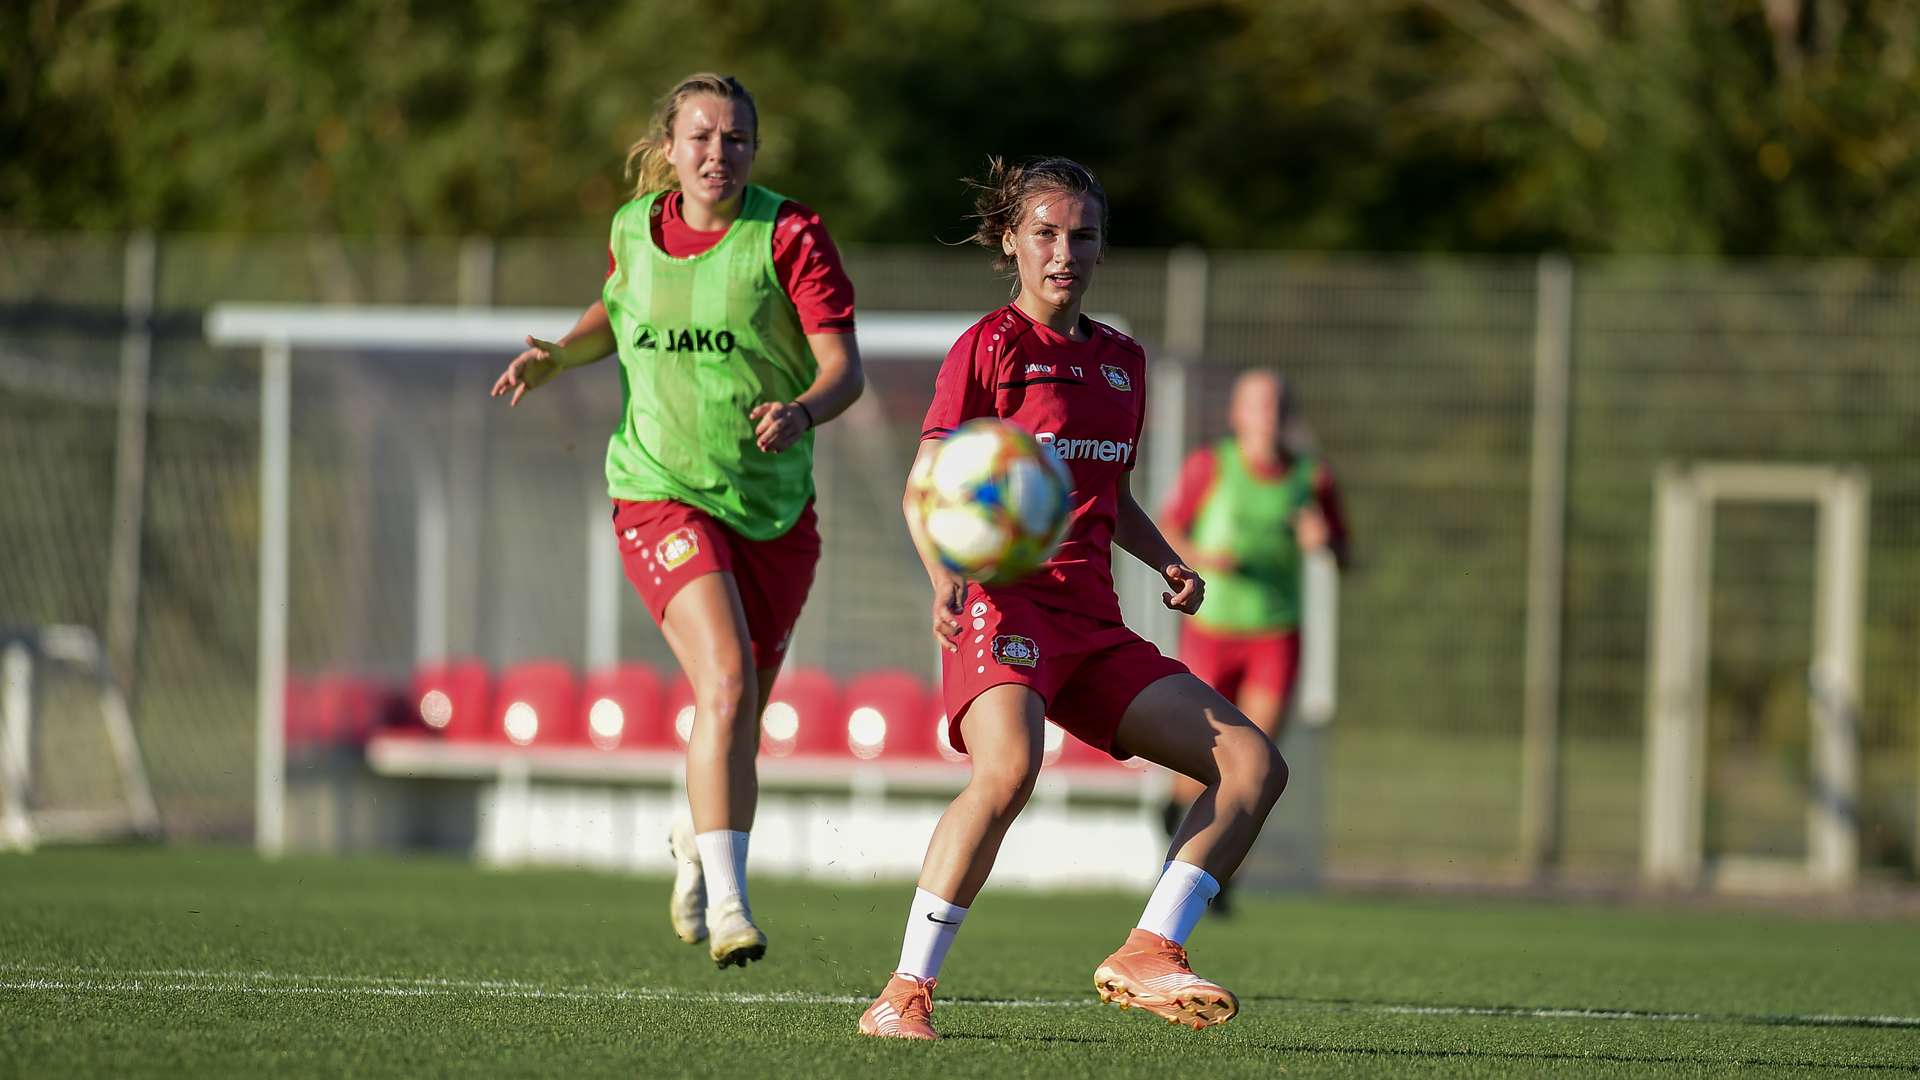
(904, 1010)
(1149, 972)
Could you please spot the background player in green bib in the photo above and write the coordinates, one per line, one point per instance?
(1244, 511)
(733, 319)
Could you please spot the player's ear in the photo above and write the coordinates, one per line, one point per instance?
(1006, 243)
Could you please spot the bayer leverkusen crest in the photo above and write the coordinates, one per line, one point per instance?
(1015, 650)
(1117, 377)
(676, 548)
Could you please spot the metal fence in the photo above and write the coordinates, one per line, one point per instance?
(1420, 380)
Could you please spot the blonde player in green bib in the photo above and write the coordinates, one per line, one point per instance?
(733, 319)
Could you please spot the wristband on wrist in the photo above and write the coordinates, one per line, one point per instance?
(802, 406)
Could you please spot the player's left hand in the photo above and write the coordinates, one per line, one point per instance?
(1188, 589)
(780, 425)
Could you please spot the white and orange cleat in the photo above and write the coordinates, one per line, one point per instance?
(904, 1010)
(1149, 972)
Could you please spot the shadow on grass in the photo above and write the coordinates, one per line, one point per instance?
(1580, 1012)
(1548, 1056)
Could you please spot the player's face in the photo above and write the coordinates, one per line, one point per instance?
(1057, 244)
(1259, 409)
(712, 150)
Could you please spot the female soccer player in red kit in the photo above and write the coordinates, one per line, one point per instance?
(1052, 644)
(733, 318)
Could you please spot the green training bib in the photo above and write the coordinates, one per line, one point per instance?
(1252, 519)
(702, 341)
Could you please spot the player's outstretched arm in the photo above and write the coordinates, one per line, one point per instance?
(590, 340)
(1136, 534)
(839, 384)
(949, 588)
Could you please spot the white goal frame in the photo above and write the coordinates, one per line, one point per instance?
(277, 330)
(22, 826)
(1672, 850)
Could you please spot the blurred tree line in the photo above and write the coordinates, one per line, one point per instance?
(1733, 127)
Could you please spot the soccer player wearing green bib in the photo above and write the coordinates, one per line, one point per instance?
(1245, 510)
(733, 319)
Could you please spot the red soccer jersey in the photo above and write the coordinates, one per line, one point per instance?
(1196, 484)
(803, 255)
(1086, 401)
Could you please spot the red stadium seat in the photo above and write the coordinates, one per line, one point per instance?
(450, 700)
(348, 709)
(943, 739)
(679, 714)
(1053, 743)
(537, 702)
(1081, 756)
(625, 706)
(804, 717)
(891, 715)
(297, 716)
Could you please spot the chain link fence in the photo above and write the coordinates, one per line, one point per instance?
(1415, 378)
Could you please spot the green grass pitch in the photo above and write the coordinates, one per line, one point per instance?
(209, 963)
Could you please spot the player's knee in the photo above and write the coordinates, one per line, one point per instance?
(1251, 764)
(1273, 775)
(724, 693)
(1004, 787)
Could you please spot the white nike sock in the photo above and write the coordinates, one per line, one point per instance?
(931, 926)
(723, 859)
(1178, 901)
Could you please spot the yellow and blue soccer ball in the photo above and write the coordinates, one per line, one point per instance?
(993, 501)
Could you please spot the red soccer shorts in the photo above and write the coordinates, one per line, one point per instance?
(664, 545)
(1231, 663)
(1086, 670)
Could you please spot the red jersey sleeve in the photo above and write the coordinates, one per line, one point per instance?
(809, 266)
(1189, 491)
(1328, 498)
(964, 388)
(611, 265)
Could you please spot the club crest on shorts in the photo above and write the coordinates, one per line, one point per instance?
(1016, 650)
(674, 549)
(1117, 377)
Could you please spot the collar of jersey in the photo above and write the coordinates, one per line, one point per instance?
(660, 201)
(1047, 333)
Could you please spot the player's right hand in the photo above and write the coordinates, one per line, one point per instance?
(949, 598)
(527, 371)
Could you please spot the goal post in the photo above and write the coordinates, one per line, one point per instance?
(1673, 840)
(70, 765)
(445, 478)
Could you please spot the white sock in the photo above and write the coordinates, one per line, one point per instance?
(723, 859)
(1178, 901)
(931, 926)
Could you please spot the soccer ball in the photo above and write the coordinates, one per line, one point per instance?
(992, 500)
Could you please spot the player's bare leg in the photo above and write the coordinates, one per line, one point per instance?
(706, 628)
(1185, 725)
(1003, 731)
(1268, 711)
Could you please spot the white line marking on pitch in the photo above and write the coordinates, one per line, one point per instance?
(56, 979)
